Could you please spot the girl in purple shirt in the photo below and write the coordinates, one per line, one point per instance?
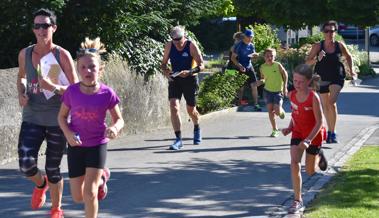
(87, 103)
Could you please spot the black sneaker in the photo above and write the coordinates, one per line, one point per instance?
(323, 163)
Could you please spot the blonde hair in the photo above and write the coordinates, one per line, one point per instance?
(306, 71)
(93, 48)
(272, 50)
(238, 36)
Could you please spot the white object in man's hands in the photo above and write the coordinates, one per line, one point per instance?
(51, 69)
(175, 74)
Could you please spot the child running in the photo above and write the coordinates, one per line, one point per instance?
(275, 78)
(87, 134)
(307, 131)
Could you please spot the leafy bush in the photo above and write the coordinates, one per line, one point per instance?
(218, 91)
(360, 62)
(264, 37)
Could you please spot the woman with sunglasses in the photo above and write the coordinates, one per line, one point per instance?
(326, 55)
(39, 114)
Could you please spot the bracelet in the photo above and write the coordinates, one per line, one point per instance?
(194, 70)
(308, 141)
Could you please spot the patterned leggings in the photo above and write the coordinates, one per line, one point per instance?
(30, 140)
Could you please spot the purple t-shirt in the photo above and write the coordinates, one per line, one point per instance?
(88, 113)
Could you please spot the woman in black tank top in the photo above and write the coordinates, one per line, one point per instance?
(326, 56)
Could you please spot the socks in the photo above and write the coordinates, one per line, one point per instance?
(178, 134)
(196, 127)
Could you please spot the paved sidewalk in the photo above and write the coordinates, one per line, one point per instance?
(238, 171)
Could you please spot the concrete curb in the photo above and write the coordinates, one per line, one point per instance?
(313, 185)
(216, 113)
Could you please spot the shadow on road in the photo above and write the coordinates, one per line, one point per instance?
(198, 189)
(359, 103)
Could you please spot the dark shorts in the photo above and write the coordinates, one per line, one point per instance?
(80, 158)
(273, 97)
(187, 87)
(252, 78)
(324, 85)
(312, 149)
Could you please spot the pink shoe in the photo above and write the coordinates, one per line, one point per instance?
(56, 213)
(39, 196)
(103, 189)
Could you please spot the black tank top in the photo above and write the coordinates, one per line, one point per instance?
(330, 68)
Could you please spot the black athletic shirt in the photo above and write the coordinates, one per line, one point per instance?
(330, 68)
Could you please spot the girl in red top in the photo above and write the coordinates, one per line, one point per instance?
(306, 128)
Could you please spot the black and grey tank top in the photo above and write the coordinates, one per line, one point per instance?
(39, 110)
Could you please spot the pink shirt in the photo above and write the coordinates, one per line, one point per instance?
(88, 113)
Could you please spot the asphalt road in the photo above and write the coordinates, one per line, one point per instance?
(238, 171)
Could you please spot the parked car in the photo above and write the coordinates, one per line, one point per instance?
(349, 31)
(374, 36)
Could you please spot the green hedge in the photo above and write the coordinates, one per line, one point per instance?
(219, 91)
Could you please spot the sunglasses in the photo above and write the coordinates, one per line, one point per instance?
(329, 31)
(83, 51)
(177, 39)
(44, 26)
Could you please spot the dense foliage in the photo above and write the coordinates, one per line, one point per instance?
(299, 13)
(126, 27)
(219, 91)
(264, 37)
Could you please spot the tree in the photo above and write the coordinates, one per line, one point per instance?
(299, 13)
(16, 26)
(123, 25)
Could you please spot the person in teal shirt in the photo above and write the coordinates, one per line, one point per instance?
(275, 78)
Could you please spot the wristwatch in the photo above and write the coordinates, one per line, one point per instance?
(56, 91)
(307, 141)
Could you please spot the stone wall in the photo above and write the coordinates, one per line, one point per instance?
(144, 104)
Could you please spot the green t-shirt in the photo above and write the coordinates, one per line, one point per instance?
(273, 78)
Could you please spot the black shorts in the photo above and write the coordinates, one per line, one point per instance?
(184, 86)
(324, 85)
(79, 158)
(312, 149)
(252, 78)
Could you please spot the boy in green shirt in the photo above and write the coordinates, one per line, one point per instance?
(275, 78)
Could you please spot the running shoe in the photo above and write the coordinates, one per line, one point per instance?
(257, 107)
(243, 102)
(296, 207)
(196, 137)
(39, 196)
(275, 133)
(323, 163)
(56, 213)
(333, 138)
(103, 188)
(328, 136)
(178, 144)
